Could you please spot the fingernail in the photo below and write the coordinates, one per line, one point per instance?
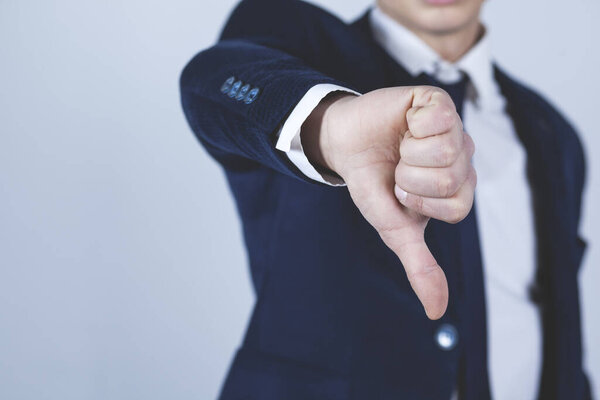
(400, 194)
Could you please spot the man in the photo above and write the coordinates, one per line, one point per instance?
(355, 180)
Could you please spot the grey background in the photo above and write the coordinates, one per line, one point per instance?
(122, 271)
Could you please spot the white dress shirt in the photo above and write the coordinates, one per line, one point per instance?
(504, 208)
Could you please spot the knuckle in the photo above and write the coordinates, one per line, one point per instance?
(441, 94)
(443, 187)
(422, 272)
(446, 116)
(457, 212)
(430, 92)
(447, 184)
(417, 204)
(448, 153)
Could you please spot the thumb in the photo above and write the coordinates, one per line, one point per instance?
(402, 230)
(424, 274)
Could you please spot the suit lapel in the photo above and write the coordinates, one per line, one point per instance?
(556, 284)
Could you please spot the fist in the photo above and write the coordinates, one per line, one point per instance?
(434, 176)
(405, 158)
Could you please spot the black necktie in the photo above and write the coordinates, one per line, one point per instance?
(473, 381)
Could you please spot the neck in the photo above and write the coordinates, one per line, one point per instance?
(452, 44)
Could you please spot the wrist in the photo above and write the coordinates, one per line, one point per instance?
(316, 131)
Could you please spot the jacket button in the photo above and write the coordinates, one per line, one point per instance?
(446, 337)
(251, 96)
(234, 89)
(242, 93)
(227, 85)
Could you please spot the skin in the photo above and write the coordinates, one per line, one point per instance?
(450, 29)
(402, 151)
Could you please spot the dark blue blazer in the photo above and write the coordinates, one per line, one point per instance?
(335, 316)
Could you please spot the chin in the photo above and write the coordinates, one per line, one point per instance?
(443, 20)
(434, 16)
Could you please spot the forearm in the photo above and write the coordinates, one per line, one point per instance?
(227, 126)
(271, 55)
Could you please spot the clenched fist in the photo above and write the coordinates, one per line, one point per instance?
(405, 158)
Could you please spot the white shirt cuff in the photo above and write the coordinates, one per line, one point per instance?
(289, 135)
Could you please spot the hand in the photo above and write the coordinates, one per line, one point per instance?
(405, 158)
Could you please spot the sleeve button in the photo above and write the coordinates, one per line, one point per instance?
(234, 89)
(251, 96)
(226, 87)
(243, 92)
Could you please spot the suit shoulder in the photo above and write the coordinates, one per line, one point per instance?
(318, 38)
(553, 121)
(278, 17)
(534, 100)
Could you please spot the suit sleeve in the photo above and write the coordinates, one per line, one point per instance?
(237, 94)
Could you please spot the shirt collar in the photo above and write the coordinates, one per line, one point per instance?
(416, 57)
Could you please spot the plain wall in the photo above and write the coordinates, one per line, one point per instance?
(122, 268)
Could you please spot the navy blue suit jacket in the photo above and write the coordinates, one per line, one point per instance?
(335, 316)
